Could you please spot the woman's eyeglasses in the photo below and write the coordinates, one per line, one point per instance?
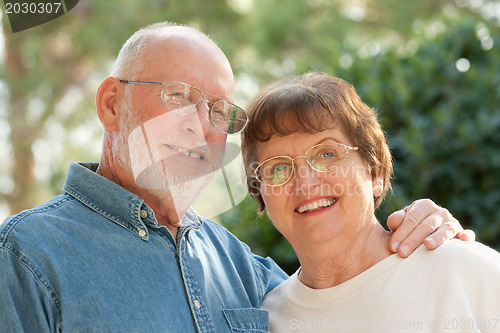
(323, 157)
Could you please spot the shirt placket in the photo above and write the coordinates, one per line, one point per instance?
(197, 300)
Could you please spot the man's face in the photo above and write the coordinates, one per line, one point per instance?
(168, 150)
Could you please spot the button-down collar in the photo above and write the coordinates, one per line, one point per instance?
(117, 204)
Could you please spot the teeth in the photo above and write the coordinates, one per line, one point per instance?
(185, 152)
(316, 204)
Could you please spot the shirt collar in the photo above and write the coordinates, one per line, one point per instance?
(115, 202)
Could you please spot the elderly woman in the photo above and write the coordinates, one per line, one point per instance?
(317, 161)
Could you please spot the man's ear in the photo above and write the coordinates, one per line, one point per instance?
(108, 100)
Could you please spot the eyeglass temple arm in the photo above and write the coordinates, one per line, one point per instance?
(144, 82)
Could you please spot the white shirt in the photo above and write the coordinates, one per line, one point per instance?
(455, 288)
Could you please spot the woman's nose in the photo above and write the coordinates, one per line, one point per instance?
(305, 176)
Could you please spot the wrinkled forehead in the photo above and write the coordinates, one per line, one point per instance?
(191, 58)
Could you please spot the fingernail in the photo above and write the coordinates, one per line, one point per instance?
(395, 246)
(405, 250)
(431, 241)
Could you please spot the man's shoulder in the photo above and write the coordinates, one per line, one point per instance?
(206, 224)
(33, 219)
(213, 228)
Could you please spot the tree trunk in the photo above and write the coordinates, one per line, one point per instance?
(21, 134)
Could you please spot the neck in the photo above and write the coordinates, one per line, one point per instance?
(166, 213)
(331, 264)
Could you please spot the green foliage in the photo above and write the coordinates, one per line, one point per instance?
(442, 124)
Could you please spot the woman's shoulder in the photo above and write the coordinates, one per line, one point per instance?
(456, 246)
(457, 254)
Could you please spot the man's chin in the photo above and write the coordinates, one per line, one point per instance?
(180, 196)
(159, 176)
(179, 187)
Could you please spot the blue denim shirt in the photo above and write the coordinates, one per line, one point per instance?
(94, 259)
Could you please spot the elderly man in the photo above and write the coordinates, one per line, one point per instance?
(120, 250)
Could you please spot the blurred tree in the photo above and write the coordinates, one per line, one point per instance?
(295, 35)
(51, 74)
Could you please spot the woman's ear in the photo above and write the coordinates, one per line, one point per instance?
(378, 186)
(107, 101)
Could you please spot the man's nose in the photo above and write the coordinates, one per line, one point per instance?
(198, 122)
(204, 115)
(192, 124)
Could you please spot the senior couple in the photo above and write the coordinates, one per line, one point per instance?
(121, 250)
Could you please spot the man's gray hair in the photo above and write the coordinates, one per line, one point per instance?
(130, 60)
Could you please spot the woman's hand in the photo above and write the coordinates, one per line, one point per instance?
(424, 222)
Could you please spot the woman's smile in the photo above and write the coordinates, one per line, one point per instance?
(315, 205)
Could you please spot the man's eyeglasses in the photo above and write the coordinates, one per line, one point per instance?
(183, 98)
(323, 157)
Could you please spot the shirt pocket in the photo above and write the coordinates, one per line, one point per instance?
(249, 320)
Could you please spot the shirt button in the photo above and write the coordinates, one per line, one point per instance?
(142, 232)
(197, 304)
(143, 213)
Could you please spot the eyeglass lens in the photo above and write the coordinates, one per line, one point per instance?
(225, 117)
(323, 158)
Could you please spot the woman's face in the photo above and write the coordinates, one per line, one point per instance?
(318, 207)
